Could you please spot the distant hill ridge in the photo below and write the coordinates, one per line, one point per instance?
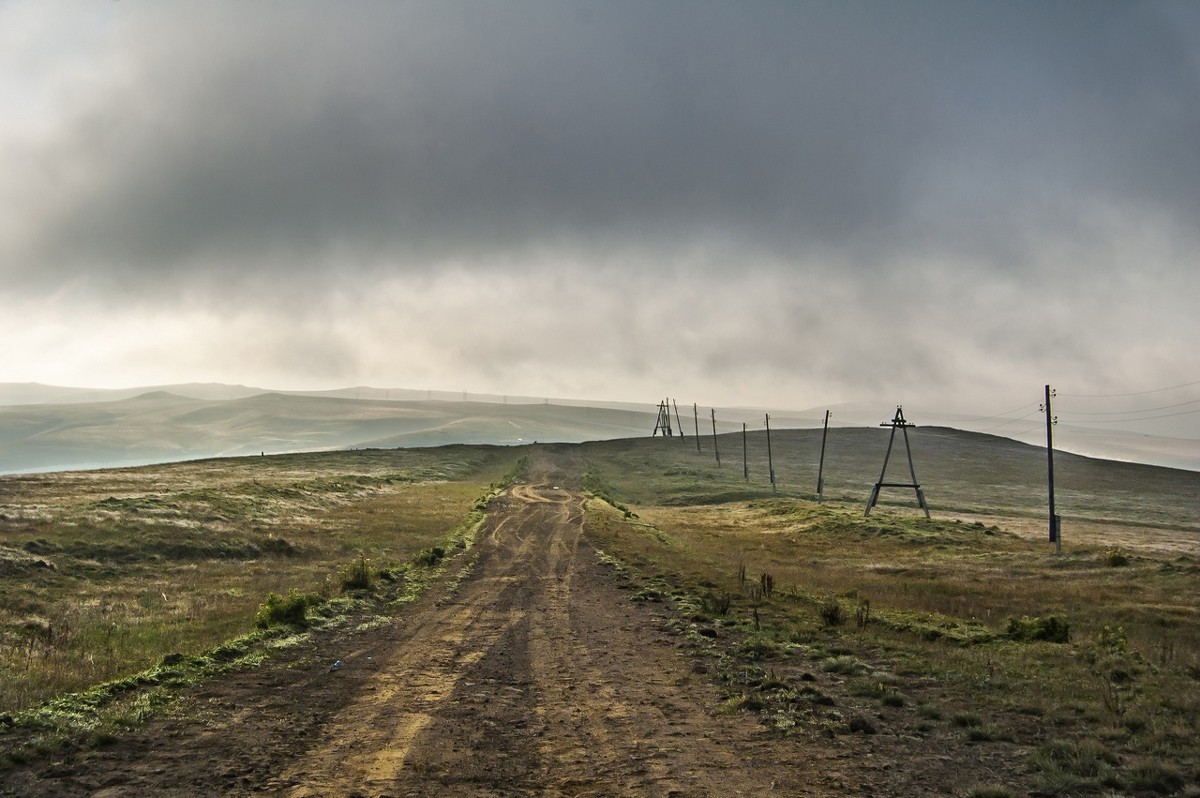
(60, 429)
(46, 427)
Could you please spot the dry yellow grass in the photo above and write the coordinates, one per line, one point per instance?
(107, 571)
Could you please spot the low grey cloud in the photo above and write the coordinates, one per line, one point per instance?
(809, 198)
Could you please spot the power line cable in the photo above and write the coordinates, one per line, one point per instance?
(925, 433)
(976, 419)
(1133, 412)
(1135, 393)
(1012, 420)
(1000, 415)
(1128, 420)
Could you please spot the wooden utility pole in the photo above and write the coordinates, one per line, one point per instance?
(678, 423)
(716, 451)
(898, 422)
(770, 461)
(696, 419)
(745, 462)
(1055, 525)
(821, 465)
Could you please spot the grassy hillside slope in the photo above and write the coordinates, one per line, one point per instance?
(161, 427)
(962, 630)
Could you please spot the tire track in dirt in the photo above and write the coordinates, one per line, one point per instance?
(368, 743)
(557, 685)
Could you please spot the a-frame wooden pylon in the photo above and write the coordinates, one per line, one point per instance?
(898, 423)
(663, 424)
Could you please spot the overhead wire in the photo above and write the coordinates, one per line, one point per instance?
(1133, 412)
(1012, 420)
(1128, 415)
(1121, 395)
(1001, 415)
(1128, 420)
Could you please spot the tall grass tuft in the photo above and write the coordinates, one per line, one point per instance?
(356, 575)
(1049, 628)
(289, 610)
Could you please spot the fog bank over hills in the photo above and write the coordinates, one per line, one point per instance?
(44, 428)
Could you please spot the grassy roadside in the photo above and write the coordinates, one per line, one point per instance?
(366, 551)
(960, 637)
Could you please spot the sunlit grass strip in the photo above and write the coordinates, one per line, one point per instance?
(94, 715)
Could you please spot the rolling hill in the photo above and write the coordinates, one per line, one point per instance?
(47, 428)
(161, 426)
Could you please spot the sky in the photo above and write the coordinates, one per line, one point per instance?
(945, 205)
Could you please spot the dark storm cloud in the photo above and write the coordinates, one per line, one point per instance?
(758, 202)
(278, 139)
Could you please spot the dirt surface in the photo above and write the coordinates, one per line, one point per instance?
(525, 671)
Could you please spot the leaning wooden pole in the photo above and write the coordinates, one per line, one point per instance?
(821, 465)
(745, 461)
(716, 451)
(1055, 527)
(678, 423)
(770, 460)
(913, 472)
(696, 419)
(882, 472)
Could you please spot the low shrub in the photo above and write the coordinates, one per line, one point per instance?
(1069, 766)
(356, 575)
(966, 720)
(716, 604)
(844, 665)
(757, 648)
(1154, 777)
(1049, 628)
(1116, 558)
(831, 612)
(929, 712)
(429, 557)
(289, 610)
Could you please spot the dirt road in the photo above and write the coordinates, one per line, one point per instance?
(527, 671)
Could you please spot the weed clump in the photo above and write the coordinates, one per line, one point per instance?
(1114, 667)
(1048, 628)
(1067, 766)
(831, 612)
(716, 604)
(966, 720)
(862, 725)
(1116, 558)
(429, 557)
(289, 610)
(844, 665)
(758, 647)
(862, 615)
(356, 575)
(1154, 777)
